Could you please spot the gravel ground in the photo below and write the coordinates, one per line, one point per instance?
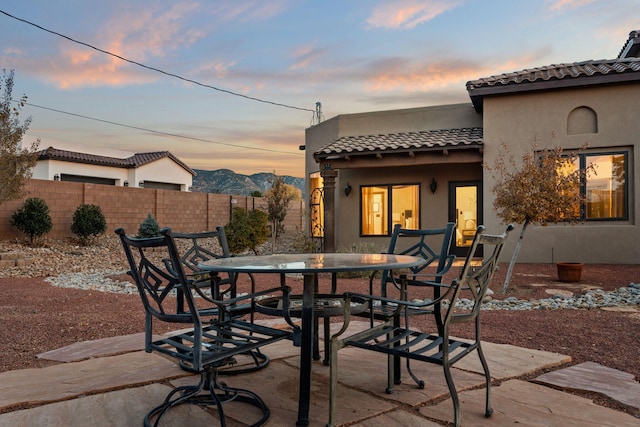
(37, 317)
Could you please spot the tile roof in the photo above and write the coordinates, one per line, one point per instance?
(632, 46)
(560, 71)
(556, 76)
(402, 142)
(134, 161)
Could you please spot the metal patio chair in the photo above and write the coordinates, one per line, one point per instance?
(202, 246)
(432, 244)
(396, 338)
(209, 339)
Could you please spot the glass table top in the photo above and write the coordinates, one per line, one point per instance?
(311, 263)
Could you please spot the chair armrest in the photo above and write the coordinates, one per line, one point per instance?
(348, 296)
(416, 281)
(225, 305)
(399, 304)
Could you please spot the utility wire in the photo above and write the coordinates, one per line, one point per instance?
(155, 69)
(156, 131)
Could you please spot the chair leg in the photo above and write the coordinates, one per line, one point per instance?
(417, 380)
(453, 393)
(316, 339)
(333, 379)
(327, 341)
(391, 373)
(488, 410)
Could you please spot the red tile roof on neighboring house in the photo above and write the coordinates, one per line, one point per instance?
(402, 142)
(134, 161)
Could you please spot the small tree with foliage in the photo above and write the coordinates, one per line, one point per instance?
(33, 219)
(88, 222)
(247, 230)
(149, 227)
(16, 163)
(278, 198)
(544, 188)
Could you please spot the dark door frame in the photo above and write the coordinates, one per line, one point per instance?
(452, 214)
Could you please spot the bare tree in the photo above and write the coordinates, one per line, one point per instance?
(278, 198)
(544, 188)
(16, 162)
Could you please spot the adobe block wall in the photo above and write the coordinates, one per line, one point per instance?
(127, 207)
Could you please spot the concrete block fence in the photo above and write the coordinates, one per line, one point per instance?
(128, 206)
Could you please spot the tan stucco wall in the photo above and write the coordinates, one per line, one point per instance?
(519, 120)
(433, 206)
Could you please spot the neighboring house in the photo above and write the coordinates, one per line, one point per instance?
(422, 167)
(160, 169)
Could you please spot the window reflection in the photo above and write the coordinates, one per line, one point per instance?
(384, 206)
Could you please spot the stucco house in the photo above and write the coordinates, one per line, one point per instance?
(160, 169)
(422, 167)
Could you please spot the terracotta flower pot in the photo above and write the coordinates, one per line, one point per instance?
(569, 271)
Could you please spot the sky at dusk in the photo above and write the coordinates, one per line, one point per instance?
(234, 83)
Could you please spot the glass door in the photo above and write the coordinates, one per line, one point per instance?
(465, 209)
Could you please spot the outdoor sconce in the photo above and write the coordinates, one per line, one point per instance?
(126, 183)
(347, 189)
(56, 177)
(141, 184)
(433, 186)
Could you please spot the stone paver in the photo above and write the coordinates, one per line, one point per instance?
(120, 390)
(58, 382)
(507, 361)
(278, 386)
(526, 404)
(592, 376)
(102, 347)
(397, 417)
(122, 408)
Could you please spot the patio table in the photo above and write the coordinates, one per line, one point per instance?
(309, 265)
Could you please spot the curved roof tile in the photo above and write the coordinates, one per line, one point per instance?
(402, 142)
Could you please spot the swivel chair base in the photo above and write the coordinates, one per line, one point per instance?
(208, 392)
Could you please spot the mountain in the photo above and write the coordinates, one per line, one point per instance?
(225, 181)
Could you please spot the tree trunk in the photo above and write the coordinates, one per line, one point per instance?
(514, 257)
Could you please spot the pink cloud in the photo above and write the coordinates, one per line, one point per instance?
(568, 4)
(135, 34)
(404, 76)
(306, 55)
(408, 13)
(247, 11)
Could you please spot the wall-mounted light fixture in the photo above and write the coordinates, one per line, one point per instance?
(433, 186)
(56, 177)
(126, 183)
(347, 189)
(141, 184)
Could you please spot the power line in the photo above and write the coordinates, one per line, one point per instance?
(153, 68)
(156, 131)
